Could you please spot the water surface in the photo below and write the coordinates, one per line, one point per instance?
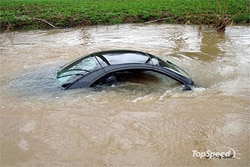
(145, 122)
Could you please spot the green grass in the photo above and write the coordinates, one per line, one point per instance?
(37, 14)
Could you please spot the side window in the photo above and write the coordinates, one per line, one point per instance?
(153, 61)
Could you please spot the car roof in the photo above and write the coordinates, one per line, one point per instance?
(113, 57)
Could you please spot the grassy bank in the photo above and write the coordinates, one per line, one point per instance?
(37, 14)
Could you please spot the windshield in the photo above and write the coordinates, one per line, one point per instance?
(77, 69)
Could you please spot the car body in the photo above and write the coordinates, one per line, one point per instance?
(88, 70)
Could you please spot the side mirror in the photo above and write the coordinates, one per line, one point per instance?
(111, 81)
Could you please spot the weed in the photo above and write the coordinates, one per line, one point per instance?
(26, 14)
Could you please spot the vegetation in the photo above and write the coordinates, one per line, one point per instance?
(37, 14)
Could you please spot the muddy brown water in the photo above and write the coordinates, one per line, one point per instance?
(141, 123)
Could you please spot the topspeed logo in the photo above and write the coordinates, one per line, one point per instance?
(209, 154)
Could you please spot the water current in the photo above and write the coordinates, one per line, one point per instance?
(144, 122)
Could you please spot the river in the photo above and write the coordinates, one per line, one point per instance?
(143, 123)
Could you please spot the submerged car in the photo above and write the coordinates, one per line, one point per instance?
(104, 66)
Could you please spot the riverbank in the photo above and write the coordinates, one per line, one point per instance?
(45, 14)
